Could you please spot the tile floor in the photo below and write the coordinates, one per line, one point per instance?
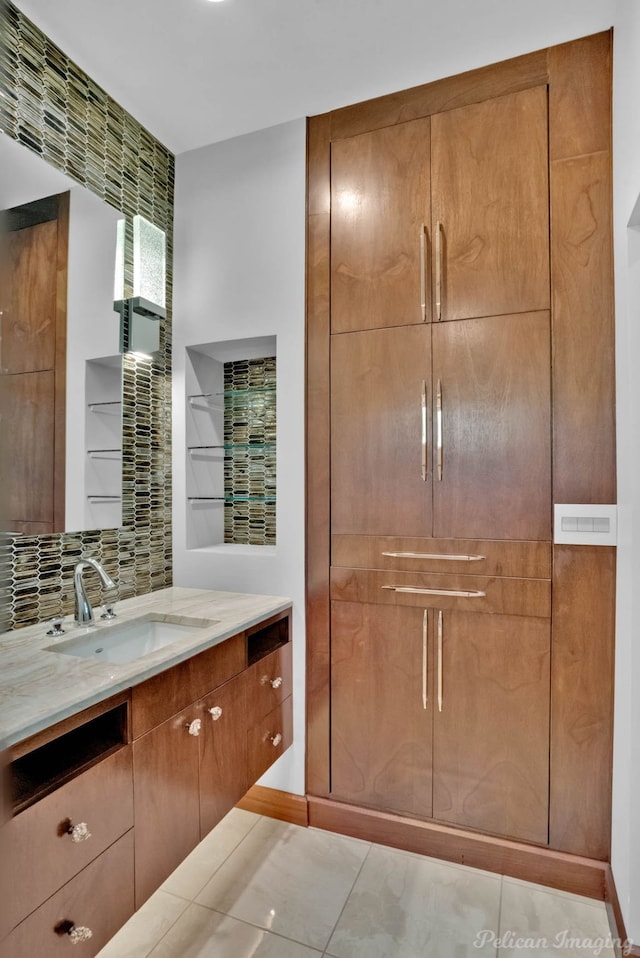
(259, 888)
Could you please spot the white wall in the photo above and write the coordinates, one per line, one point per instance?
(626, 777)
(239, 272)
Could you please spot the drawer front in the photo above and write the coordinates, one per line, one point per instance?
(269, 739)
(464, 593)
(100, 898)
(43, 854)
(269, 682)
(487, 557)
(169, 692)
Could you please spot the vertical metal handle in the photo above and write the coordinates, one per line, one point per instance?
(425, 460)
(423, 279)
(439, 436)
(440, 677)
(438, 245)
(425, 660)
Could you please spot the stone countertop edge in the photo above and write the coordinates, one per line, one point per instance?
(39, 688)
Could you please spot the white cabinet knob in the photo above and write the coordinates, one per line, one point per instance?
(277, 682)
(78, 934)
(79, 833)
(275, 739)
(215, 712)
(194, 727)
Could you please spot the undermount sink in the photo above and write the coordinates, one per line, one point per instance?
(131, 640)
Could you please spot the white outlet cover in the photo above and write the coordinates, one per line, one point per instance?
(585, 525)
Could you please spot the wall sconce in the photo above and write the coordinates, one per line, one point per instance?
(140, 314)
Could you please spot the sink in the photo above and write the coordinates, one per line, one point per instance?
(133, 639)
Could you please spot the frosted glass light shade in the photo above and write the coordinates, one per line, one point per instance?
(118, 285)
(149, 261)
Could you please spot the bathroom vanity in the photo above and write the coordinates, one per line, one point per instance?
(119, 768)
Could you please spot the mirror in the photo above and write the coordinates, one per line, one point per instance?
(61, 433)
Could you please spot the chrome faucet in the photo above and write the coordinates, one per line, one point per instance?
(83, 609)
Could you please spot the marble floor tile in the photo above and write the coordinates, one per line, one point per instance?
(537, 922)
(287, 879)
(202, 933)
(145, 928)
(196, 870)
(405, 907)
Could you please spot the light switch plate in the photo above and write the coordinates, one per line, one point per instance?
(585, 525)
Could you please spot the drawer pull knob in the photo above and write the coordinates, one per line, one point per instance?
(194, 727)
(78, 934)
(79, 833)
(275, 739)
(215, 712)
(277, 682)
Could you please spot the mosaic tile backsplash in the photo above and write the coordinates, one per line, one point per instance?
(250, 451)
(52, 107)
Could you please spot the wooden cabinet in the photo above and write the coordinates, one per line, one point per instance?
(490, 195)
(491, 723)
(442, 714)
(381, 707)
(224, 771)
(380, 210)
(167, 807)
(84, 914)
(87, 801)
(201, 739)
(492, 436)
(380, 419)
(443, 217)
(443, 430)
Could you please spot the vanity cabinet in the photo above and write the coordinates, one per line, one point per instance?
(70, 840)
(195, 728)
(110, 801)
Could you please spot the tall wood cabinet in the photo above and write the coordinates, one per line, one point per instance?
(440, 313)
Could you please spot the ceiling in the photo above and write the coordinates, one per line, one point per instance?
(195, 72)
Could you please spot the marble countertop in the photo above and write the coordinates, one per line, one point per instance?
(39, 688)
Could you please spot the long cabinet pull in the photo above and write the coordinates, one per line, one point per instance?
(439, 437)
(433, 555)
(423, 279)
(438, 245)
(425, 660)
(425, 451)
(454, 593)
(440, 671)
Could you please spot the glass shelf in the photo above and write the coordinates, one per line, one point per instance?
(230, 446)
(231, 498)
(104, 453)
(104, 498)
(106, 408)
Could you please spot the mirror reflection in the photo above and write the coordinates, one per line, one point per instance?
(61, 431)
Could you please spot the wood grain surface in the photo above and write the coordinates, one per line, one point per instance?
(490, 192)
(380, 206)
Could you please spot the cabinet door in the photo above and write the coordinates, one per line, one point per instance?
(495, 428)
(490, 193)
(380, 478)
(381, 707)
(166, 801)
(223, 752)
(380, 197)
(491, 736)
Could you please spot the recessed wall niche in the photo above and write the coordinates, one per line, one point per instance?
(54, 109)
(231, 444)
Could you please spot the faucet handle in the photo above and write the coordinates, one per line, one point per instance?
(109, 612)
(56, 625)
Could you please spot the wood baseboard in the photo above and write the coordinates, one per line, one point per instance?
(284, 806)
(581, 876)
(616, 918)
